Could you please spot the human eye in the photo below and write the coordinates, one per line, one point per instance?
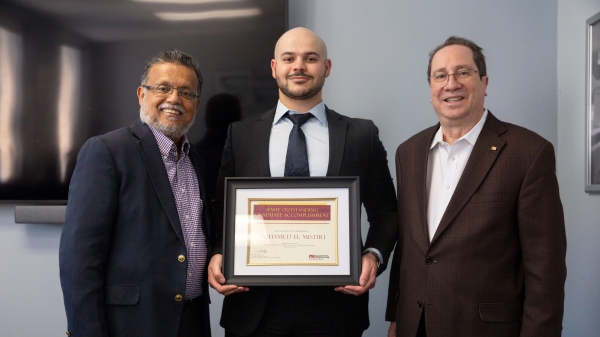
(439, 77)
(463, 73)
(161, 88)
(186, 93)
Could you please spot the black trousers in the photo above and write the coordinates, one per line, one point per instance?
(195, 319)
(266, 334)
(288, 313)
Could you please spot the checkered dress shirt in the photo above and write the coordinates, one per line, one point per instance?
(186, 191)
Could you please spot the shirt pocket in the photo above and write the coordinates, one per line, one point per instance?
(122, 294)
(501, 312)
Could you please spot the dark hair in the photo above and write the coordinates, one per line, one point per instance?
(478, 57)
(175, 56)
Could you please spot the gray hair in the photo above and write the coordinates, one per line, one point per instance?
(175, 56)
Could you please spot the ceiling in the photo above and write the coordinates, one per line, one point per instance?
(110, 20)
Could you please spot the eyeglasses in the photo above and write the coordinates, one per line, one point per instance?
(165, 90)
(462, 74)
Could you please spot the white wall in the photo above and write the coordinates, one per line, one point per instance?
(30, 296)
(379, 51)
(582, 210)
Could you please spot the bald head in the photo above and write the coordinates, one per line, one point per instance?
(300, 37)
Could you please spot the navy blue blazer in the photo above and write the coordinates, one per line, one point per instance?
(121, 244)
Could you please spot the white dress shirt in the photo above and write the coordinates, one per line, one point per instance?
(445, 166)
(316, 133)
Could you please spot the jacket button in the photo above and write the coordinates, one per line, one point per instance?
(429, 260)
(420, 304)
(181, 258)
(68, 333)
(178, 298)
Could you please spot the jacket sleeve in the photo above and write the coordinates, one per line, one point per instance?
(543, 246)
(379, 199)
(394, 283)
(86, 239)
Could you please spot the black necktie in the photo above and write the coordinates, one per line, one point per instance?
(296, 160)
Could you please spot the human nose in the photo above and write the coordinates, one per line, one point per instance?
(299, 64)
(452, 82)
(174, 95)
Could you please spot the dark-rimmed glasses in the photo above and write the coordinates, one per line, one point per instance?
(166, 90)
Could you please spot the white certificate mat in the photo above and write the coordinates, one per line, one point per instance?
(298, 241)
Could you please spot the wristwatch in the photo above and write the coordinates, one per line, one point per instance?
(376, 257)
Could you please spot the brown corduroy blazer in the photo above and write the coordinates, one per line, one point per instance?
(496, 264)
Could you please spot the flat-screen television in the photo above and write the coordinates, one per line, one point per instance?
(69, 70)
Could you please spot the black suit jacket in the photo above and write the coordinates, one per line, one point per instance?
(121, 240)
(354, 150)
(496, 264)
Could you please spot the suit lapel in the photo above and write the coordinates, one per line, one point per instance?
(261, 134)
(421, 156)
(337, 141)
(158, 174)
(487, 148)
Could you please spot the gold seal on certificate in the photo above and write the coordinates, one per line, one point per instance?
(292, 232)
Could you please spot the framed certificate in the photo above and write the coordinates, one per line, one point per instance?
(292, 231)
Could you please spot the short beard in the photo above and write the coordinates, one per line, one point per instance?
(301, 94)
(173, 132)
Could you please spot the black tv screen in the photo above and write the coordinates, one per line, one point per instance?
(69, 70)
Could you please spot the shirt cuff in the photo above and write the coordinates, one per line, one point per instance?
(377, 253)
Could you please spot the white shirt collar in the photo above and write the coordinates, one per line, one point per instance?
(470, 136)
(317, 111)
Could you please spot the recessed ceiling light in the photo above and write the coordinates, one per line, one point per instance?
(206, 15)
(185, 1)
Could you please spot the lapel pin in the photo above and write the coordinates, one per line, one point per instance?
(493, 148)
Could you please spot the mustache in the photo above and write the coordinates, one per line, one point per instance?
(300, 73)
(172, 106)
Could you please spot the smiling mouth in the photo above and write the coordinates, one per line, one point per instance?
(454, 99)
(298, 79)
(171, 109)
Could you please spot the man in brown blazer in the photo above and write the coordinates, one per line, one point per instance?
(482, 239)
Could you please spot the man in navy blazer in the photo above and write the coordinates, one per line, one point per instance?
(134, 243)
(337, 145)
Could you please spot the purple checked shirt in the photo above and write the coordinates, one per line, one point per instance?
(184, 184)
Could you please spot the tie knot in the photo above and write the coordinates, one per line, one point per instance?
(299, 119)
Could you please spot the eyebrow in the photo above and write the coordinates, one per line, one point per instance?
(309, 53)
(165, 82)
(458, 67)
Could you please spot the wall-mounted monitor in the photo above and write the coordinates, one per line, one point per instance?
(69, 70)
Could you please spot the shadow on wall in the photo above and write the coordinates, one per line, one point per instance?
(221, 110)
